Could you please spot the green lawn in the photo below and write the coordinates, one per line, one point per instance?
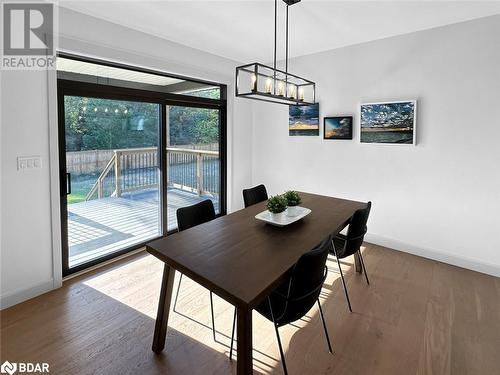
(75, 198)
(80, 186)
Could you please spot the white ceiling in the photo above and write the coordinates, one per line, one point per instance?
(243, 30)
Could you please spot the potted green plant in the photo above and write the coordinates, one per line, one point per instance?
(276, 205)
(293, 200)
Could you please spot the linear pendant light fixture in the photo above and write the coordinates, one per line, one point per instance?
(261, 82)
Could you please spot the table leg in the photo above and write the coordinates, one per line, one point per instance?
(167, 284)
(357, 263)
(244, 364)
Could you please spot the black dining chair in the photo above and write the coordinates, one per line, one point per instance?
(254, 195)
(293, 298)
(191, 216)
(350, 244)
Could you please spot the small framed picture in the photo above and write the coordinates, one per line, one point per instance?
(338, 127)
(303, 120)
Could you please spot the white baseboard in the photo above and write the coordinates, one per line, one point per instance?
(12, 298)
(18, 296)
(441, 256)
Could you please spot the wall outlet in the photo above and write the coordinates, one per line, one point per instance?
(29, 162)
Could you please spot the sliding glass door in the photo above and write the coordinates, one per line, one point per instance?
(134, 147)
(194, 163)
(112, 176)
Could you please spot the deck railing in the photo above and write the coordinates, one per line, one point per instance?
(128, 170)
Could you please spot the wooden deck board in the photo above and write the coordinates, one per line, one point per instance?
(102, 226)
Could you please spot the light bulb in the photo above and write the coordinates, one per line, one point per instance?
(254, 82)
(106, 110)
(281, 89)
(291, 91)
(116, 110)
(84, 109)
(301, 94)
(269, 85)
(126, 111)
(95, 109)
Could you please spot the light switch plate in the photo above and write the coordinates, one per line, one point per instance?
(28, 162)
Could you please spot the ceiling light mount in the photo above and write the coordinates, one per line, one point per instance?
(291, 2)
(261, 82)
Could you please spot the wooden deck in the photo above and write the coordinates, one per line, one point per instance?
(102, 226)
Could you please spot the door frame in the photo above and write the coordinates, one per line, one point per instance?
(76, 88)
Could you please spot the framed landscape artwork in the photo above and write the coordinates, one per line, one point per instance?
(339, 127)
(388, 122)
(303, 119)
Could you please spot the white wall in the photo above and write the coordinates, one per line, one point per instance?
(30, 254)
(440, 199)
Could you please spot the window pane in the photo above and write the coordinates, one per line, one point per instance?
(210, 93)
(112, 158)
(193, 158)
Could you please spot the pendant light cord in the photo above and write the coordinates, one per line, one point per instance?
(275, 32)
(275, 29)
(286, 42)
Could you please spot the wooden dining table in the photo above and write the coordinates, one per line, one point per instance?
(242, 259)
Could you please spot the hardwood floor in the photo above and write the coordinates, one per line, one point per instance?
(417, 317)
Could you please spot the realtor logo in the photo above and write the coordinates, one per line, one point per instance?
(28, 35)
(8, 368)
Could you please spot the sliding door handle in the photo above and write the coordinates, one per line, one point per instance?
(68, 183)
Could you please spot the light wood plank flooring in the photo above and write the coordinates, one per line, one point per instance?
(417, 317)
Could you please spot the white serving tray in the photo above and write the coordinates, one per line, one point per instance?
(284, 219)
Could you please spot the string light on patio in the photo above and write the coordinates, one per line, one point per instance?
(106, 110)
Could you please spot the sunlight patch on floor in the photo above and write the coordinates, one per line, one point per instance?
(138, 287)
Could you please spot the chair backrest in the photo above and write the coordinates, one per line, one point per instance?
(357, 230)
(306, 280)
(196, 214)
(254, 195)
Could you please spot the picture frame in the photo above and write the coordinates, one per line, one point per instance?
(337, 127)
(303, 120)
(388, 123)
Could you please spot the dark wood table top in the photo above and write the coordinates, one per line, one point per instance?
(242, 259)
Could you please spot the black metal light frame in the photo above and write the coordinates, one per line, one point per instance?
(287, 79)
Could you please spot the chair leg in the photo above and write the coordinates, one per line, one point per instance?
(342, 276)
(281, 350)
(278, 336)
(364, 268)
(211, 305)
(212, 311)
(324, 327)
(232, 336)
(177, 294)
